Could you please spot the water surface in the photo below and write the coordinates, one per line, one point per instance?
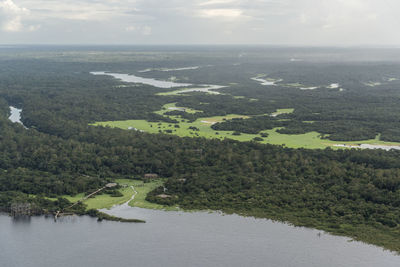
(177, 239)
(205, 88)
(136, 79)
(15, 115)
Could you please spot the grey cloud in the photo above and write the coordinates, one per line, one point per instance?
(293, 22)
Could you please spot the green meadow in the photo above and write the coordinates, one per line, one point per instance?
(202, 128)
(106, 201)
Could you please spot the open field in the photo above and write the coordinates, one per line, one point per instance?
(311, 140)
(172, 107)
(105, 201)
(142, 190)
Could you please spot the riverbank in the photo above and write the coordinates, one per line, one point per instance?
(106, 201)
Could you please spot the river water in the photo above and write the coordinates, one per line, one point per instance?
(15, 115)
(136, 79)
(205, 88)
(177, 239)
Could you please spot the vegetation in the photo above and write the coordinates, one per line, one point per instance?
(104, 216)
(61, 154)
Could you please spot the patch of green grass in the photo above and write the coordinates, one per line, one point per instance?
(102, 201)
(311, 140)
(142, 190)
(283, 111)
(203, 124)
(105, 201)
(172, 107)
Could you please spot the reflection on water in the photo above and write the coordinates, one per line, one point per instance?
(177, 239)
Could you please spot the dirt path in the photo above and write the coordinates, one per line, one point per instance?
(132, 198)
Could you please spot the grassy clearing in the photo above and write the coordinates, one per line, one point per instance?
(172, 107)
(311, 140)
(142, 190)
(203, 124)
(105, 201)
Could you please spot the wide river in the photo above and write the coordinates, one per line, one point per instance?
(177, 239)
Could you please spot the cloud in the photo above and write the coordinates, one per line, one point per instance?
(316, 22)
(11, 16)
(220, 13)
(130, 28)
(144, 30)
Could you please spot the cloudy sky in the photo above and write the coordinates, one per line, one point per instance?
(276, 22)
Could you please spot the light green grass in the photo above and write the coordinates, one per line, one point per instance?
(203, 124)
(311, 140)
(105, 201)
(172, 106)
(182, 91)
(142, 190)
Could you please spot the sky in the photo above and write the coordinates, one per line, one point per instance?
(269, 22)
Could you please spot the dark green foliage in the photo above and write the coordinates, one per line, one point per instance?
(104, 216)
(193, 128)
(347, 192)
(250, 126)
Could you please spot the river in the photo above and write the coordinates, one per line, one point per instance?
(177, 239)
(205, 88)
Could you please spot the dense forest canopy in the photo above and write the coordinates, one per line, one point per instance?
(351, 192)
